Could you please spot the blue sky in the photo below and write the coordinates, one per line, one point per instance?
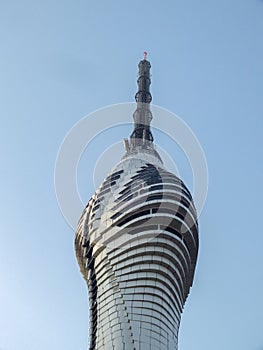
(61, 61)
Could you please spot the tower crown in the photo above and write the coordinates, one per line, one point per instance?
(137, 243)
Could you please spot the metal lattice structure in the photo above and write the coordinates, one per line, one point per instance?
(137, 244)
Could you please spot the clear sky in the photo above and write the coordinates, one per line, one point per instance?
(61, 60)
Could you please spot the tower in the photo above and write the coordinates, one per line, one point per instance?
(137, 243)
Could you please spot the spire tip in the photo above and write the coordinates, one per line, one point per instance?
(145, 55)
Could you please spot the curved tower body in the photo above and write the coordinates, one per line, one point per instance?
(137, 244)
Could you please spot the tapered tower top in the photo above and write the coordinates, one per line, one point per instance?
(137, 244)
(142, 116)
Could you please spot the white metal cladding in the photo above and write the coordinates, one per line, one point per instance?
(136, 244)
